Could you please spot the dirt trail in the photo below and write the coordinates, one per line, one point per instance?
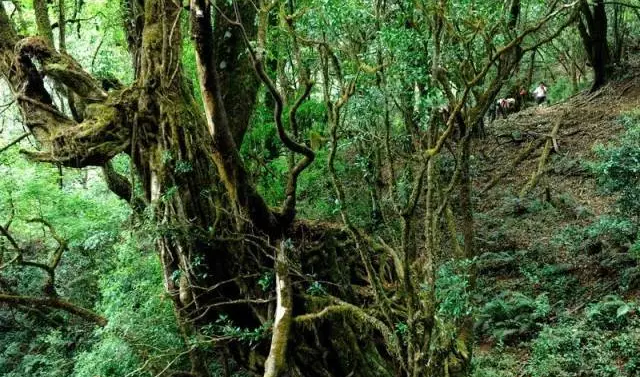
(586, 119)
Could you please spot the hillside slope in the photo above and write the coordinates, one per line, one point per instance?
(559, 287)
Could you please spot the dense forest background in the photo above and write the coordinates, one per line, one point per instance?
(319, 188)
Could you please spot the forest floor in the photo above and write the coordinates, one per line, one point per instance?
(558, 287)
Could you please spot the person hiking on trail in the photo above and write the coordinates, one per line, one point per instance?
(540, 93)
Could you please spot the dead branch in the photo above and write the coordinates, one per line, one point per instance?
(515, 162)
(551, 142)
(15, 141)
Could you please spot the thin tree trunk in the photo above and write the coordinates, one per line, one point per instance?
(277, 359)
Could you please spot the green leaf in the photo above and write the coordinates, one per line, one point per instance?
(623, 310)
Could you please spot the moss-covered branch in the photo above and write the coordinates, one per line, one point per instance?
(512, 165)
(62, 68)
(55, 303)
(101, 136)
(535, 177)
(345, 310)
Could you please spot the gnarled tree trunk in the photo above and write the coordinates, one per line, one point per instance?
(215, 234)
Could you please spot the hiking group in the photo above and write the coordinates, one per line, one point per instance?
(505, 106)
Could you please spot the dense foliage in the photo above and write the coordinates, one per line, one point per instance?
(318, 188)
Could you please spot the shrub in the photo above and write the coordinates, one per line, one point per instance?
(141, 325)
(618, 166)
(617, 230)
(612, 313)
(504, 262)
(503, 365)
(452, 290)
(554, 279)
(558, 352)
(513, 317)
(572, 349)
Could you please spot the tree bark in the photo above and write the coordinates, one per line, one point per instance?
(277, 359)
(593, 31)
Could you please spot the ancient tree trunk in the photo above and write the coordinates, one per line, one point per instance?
(215, 235)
